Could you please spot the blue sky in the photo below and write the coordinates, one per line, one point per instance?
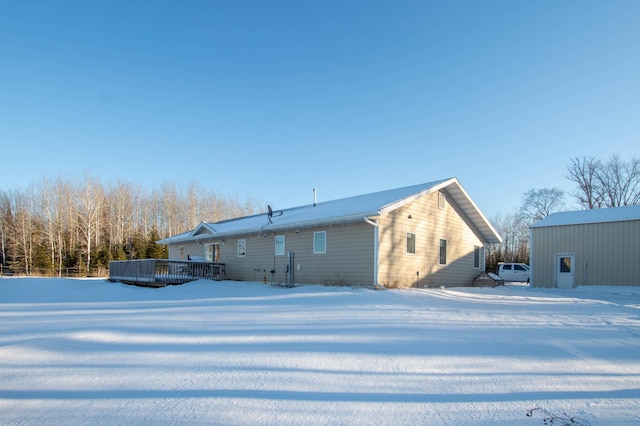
(270, 99)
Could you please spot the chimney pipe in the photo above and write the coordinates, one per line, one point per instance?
(314, 197)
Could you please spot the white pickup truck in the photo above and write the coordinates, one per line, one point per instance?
(514, 271)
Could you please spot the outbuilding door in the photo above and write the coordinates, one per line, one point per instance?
(565, 270)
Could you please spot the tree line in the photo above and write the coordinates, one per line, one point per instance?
(61, 224)
(64, 224)
(613, 182)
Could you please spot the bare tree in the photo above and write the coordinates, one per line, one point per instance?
(620, 181)
(60, 223)
(52, 198)
(149, 215)
(192, 205)
(540, 203)
(120, 221)
(90, 202)
(63, 204)
(170, 209)
(23, 227)
(5, 226)
(515, 240)
(605, 184)
(584, 172)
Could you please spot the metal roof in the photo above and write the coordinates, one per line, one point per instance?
(611, 214)
(345, 210)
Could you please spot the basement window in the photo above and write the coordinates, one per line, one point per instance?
(320, 242)
(411, 243)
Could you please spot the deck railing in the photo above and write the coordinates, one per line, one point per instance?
(162, 272)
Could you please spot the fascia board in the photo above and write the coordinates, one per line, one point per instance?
(393, 206)
(473, 213)
(476, 211)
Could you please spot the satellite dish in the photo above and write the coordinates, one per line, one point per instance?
(270, 213)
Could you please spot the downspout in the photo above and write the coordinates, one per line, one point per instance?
(376, 246)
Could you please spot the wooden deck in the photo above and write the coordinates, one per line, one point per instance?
(163, 272)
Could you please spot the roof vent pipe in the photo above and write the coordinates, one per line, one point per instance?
(314, 197)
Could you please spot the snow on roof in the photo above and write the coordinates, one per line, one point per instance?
(612, 214)
(343, 210)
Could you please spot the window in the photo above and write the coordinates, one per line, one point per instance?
(476, 257)
(565, 264)
(411, 243)
(181, 252)
(242, 248)
(506, 267)
(519, 268)
(320, 242)
(443, 252)
(441, 200)
(279, 250)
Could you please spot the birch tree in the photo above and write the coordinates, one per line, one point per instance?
(23, 227)
(192, 205)
(53, 196)
(90, 202)
(59, 223)
(5, 226)
(121, 214)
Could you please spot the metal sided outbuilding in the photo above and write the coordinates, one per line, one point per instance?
(587, 247)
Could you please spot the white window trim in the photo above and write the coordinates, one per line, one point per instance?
(415, 243)
(242, 243)
(314, 242)
(275, 248)
(446, 249)
(181, 252)
(442, 200)
(479, 249)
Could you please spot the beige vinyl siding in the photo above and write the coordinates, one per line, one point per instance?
(430, 224)
(605, 253)
(191, 248)
(349, 259)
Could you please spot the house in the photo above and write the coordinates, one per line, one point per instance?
(424, 235)
(588, 247)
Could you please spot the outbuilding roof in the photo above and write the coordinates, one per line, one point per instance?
(611, 214)
(345, 210)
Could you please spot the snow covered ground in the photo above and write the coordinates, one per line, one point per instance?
(93, 352)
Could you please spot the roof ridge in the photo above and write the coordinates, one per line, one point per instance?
(350, 209)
